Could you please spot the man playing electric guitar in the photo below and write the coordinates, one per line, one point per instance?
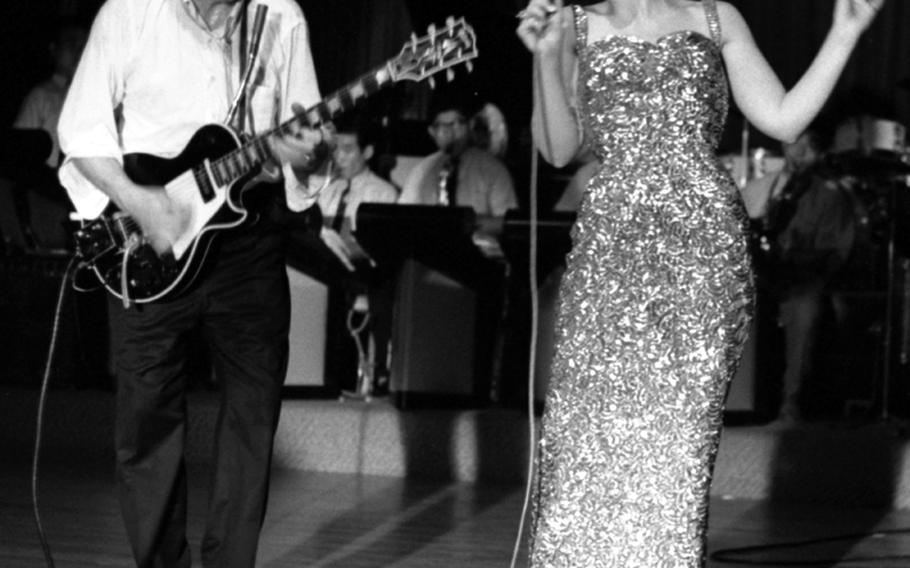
(154, 72)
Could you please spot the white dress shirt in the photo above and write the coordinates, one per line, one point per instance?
(152, 73)
(484, 183)
(365, 187)
(41, 110)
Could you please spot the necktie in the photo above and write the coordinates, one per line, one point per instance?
(338, 219)
(449, 180)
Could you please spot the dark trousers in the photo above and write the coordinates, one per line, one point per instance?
(241, 308)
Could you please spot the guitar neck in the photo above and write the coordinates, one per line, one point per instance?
(341, 100)
(251, 155)
(419, 59)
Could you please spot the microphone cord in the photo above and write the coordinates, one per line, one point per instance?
(532, 355)
(42, 398)
(535, 321)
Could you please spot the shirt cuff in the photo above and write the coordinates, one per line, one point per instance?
(88, 200)
(299, 196)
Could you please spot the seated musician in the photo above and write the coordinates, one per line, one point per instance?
(46, 205)
(804, 216)
(41, 107)
(459, 173)
(353, 183)
(462, 174)
(338, 260)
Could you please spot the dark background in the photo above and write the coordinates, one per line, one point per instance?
(349, 37)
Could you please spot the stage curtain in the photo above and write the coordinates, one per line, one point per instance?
(350, 37)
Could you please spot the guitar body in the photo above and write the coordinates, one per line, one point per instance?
(146, 276)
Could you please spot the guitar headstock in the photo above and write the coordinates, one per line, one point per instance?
(441, 49)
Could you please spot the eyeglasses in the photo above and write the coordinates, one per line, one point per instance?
(449, 124)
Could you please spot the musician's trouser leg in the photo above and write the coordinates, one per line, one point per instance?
(488, 331)
(151, 427)
(246, 323)
(244, 309)
(800, 313)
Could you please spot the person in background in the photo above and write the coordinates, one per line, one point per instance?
(41, 107)
(461, 174)
(42, 205)
(352, 182)
(805, 220)
(367, 286)
(458, 173)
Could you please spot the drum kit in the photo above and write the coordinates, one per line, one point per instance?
(873, 153)
(870, 157)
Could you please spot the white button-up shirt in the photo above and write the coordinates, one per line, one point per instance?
(152, 73)
(365, 187)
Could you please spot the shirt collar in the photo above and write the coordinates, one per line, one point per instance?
(230, 24)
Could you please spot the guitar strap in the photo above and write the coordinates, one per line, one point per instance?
(241, 118)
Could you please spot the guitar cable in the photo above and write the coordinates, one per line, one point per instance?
(42, 398)
(532, 352)
(132, 243)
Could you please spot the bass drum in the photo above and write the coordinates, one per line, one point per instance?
(834, 231)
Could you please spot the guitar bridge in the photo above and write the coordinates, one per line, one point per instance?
(203, 176)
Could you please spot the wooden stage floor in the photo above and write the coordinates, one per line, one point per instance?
(358, 521)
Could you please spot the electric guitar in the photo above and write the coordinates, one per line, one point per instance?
(208, 178)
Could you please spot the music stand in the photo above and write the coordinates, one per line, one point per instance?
(553, 239)
(447, 295)
(439, 237)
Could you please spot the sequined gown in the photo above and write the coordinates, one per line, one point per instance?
(654, 308)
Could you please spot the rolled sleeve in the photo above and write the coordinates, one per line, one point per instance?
(87, 127)
(300, 86)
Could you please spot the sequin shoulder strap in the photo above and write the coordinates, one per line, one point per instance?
(581, 27)
(713, 20)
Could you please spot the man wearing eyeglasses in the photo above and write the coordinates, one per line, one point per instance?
(459, 173)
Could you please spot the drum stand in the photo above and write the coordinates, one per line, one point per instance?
(890, 330)
(888, 339)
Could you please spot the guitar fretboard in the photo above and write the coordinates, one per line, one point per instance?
(240, 162)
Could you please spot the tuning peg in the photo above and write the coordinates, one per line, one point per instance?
(413, 40)
(470, 66)
(432, 82)
(450, 75)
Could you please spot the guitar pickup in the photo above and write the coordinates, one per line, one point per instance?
(203, 178)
